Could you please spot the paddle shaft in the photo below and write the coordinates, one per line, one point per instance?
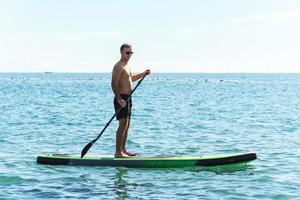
(90, 144)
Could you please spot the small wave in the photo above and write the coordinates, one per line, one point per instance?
(8, 180)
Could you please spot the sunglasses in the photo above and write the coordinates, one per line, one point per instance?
(129, 53)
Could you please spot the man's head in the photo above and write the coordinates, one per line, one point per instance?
(126, 51)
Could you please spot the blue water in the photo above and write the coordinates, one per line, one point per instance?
(192, 114)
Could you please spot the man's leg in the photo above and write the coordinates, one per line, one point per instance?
(120, 137)
(125, 136)
(125, 140)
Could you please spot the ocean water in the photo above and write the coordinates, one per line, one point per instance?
(190, 114)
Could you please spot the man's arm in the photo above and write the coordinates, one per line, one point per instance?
(116, 74)
(136, 77)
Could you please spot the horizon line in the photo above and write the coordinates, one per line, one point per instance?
(157, 72)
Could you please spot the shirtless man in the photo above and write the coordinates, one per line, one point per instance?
(121, 85)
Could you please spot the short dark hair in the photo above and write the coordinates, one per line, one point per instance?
(125, 45)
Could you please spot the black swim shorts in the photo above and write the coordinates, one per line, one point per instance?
(126, 111)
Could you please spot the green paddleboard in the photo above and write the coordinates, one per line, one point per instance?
(163, 161)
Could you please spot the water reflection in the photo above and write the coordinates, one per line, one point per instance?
(122, 186)
(225, 169)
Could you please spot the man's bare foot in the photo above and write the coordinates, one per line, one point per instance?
(121, 155)
(130, 154)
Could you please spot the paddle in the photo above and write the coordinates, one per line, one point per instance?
(90, 144)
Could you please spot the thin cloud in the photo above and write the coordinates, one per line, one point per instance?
(274, 16)
(186, 31)
(195, 30)
(102, 35)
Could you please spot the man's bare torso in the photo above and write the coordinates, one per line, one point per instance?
(125, 82)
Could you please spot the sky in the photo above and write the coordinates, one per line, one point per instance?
(167, 35)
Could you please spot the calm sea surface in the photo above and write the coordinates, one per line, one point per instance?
(192, 114)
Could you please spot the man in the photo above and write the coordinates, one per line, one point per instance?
(121, 85)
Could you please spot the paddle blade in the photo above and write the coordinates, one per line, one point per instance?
(86, 148)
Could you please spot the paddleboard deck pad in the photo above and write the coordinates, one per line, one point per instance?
(163, 161)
